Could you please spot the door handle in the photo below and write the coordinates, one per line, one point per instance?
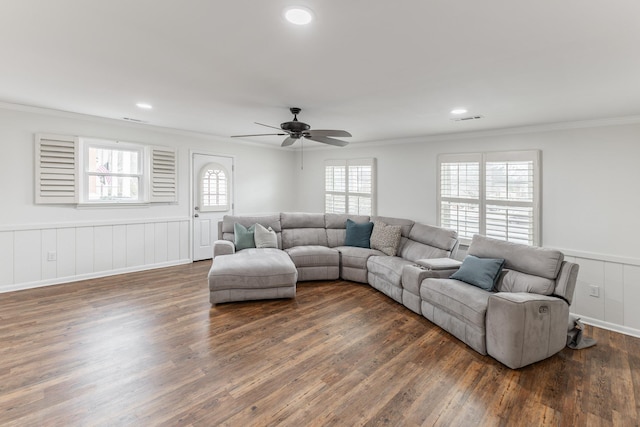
(196, 216)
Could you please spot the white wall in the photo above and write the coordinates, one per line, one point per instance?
(97, 241)
(590, 199)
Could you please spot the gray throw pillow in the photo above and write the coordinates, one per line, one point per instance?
(243, 236)
(265, 238)
(386, 238)
(480, 272)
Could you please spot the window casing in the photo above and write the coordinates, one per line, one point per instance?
(494, 194)
(350, 186)
(113, 172)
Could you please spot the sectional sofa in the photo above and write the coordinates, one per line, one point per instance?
(522, 318)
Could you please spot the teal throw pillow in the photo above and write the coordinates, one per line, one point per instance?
(480, 272)
(243, 237)
(358, 235)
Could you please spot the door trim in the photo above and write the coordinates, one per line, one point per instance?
(192, 152)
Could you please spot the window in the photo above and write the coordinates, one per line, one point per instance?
(350, 186)
(214, 188)
(113, 172)
(74, 170)
(494, 194)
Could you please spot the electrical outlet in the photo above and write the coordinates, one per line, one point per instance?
(594, 291)
(52, 256)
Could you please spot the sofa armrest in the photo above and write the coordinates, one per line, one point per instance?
(524, 328)
(223, 247)
(439, 264)
(414, 274)
(566, 281)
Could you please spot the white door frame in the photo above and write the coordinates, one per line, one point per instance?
(191, 189)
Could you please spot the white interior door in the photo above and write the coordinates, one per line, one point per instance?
(212, 199)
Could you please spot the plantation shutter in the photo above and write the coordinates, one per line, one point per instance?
(459, 193)
(493, 194)
(511, 200)
(360, 189)
(56, 171)
(350, 186)
(164, 177)
(335, 186)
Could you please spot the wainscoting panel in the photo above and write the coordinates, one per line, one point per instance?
(607, 291)
(66, 244)
(632, 296)
(6, 259)
(85, 251)
(41, 255)
(26, 253)
(103, 253)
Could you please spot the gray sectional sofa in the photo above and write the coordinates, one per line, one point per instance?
(521, 320)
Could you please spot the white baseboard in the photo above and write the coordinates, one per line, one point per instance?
(95, 275)
(609, 326)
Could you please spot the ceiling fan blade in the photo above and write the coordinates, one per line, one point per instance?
(258, 134)
(288, 141)
(327, 132)
(272, 127)
(327, 140)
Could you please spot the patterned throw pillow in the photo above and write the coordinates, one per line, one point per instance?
(386, 238)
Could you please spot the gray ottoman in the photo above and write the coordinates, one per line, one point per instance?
(252, 274)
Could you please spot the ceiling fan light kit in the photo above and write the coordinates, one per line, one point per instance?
(296, 130)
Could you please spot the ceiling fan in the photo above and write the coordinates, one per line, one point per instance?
(296, 130)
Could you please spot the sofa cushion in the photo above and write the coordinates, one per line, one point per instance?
(314, 256)
(388, 268)
(265, 238)
(460, 299)
(386, 238)
(351, 256)
(413, 251)
(480, 272)
(436, 237)
(243, 236)
(358, 235)
(252, 269)
(526, 259)
(302, 220)
(293, 237)
(514, 281)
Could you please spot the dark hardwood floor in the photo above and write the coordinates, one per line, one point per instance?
(147, 349)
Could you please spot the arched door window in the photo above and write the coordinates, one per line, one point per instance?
(214, 188)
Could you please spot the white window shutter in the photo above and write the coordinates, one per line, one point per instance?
(56, 171)
(164, 175)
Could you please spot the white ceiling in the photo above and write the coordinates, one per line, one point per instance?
(379, 69)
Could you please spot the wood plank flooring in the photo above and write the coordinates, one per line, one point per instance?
(147, 349)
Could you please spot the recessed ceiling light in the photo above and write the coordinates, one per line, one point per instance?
(144, 105)
(458, 111)
(298, 15)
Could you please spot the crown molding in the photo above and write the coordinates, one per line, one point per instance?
(127, 124)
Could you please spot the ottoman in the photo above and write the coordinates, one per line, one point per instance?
(252, 274)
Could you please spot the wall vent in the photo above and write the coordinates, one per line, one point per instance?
(129, 119)
(464, 119)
